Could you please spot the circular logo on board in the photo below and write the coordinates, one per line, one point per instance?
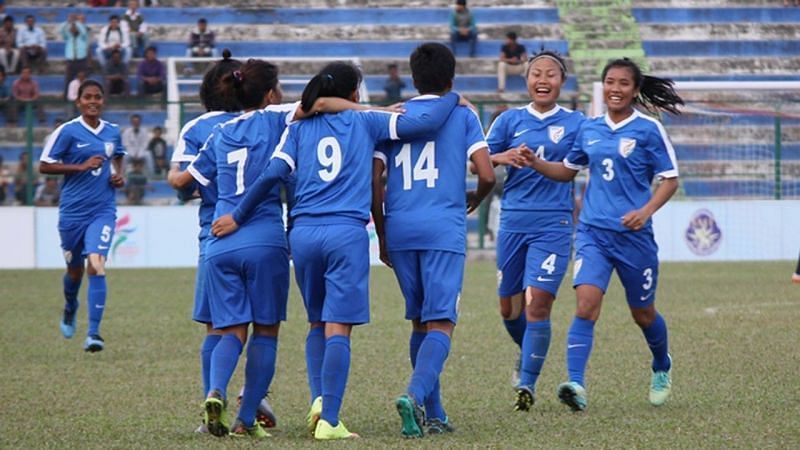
(703, 234)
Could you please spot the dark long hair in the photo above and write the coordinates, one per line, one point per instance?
(654, 93)
(552, 55)
(250, 82)
(90, 82)
(337, 79)
(211, 96)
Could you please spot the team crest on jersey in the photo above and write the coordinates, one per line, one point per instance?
(555, 133)
(626, 146)
(109, 149)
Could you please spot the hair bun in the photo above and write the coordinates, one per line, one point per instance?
(226, 54)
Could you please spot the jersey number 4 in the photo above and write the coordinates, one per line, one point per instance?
(424, 169)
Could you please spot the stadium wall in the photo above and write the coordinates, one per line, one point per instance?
(166, 236)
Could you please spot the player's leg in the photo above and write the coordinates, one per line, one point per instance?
(97, 241)
(201, 313)
(637, 266)
(796, 274)
(511, 254)
(72, 246)
(591, 272)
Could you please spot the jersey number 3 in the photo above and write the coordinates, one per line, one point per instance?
(424, 168)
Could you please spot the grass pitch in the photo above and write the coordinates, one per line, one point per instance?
(734, 332)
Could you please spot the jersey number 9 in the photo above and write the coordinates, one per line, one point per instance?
(329, 155)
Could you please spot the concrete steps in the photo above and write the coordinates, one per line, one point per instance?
(720, 31)
(265, 4)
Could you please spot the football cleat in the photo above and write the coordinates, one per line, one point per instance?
(216, 418)
(439, 426)
(411, 415)
(660, 386)
(238, 429)
(327, 432)
(67, 324)
(93, 343)
(516, 372)
(573, 395)
(264, 414)
(313, 415)
(525, 398)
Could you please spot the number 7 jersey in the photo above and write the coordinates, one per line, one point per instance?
(425, 204)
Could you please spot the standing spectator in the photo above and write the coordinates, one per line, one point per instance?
(113, 36)
(158, 151)
(5, 97)
(151, 74)
(201, 40)
(21, 179)
(9, 53)
(5, 180)
(74, 85)
(135, 141)
(136, 183)
(137, 28)
(462, 27)
(49, 193)
(513, 57)
(24, 91)
(393, 86)
(32, 44)
(116, 75)
(76, 49)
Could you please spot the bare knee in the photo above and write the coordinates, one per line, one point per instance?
(538, 304)
(337, 329)
(590, 299)
(211, 330)
(97, 264)
(418, 327)
(644, 316)
(444, 326)
(266, 330)
(511, 307)
(75, 273)
(240, 331)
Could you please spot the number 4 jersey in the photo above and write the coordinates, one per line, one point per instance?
(425, 202)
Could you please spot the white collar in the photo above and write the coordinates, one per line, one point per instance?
(94, 131)
(544, 115)
(617, 126)
(424, 97)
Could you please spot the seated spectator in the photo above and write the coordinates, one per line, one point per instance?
(513, 60)
(137, 28)
(393, 86)
(151, 74)
(49, 193)
(201, 41)
(24, 92)
(158, 151)
(5, 98)
(462, 27)
(116, 75)
(9, 53)
(21, 180)
(32, 45)
(135, 141)
(74, 85)
(76, 48)
(136, 184)
(113, 36)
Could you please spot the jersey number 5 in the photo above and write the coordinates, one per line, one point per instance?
(424, 168)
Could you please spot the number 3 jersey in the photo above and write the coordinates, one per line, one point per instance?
(425, 204)
(622, 159)
(526, 193)
(84, 195)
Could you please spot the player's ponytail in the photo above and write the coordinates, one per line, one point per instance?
(250, 82)
(337, 79)
(212, 95)
(655, 94)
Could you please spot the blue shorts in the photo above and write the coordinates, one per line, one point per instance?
(633, 254)
(202, 308)
(539, 260)
(331, 265)
(431, 283)
(249, 285)
(79, 239)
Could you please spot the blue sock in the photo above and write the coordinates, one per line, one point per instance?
(258, 373)
(96, 302)
(71, 289)
(413, 345)
(223, 363)
(206, 348)
(656, 335)
(335, 368)
(516, 328)
(430, 362)
(315, 351)
(534, 351)
(433, 403)
(579, 346)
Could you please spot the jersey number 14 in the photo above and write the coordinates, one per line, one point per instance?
(424, 169)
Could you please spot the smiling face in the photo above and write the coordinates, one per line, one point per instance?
(544, 82)
(619, 90)
(90, 102)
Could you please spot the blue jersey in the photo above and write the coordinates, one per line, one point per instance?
(622, 159)
(86, 194)
(191, 139)
(525, 191)
(236, 154)
(425, 203)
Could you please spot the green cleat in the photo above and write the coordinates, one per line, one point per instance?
(412, 415)
(216, 416)
(439, 426)
(573, 395)
(525, 398)
(313, 415)
(660, 386)
(256, 431)
(327, 432)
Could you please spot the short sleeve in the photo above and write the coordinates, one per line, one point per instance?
(475, 137)
(382, 125)
(284, 111)
(382, 152)
(57, 144)
(185, 150)
(204, 167)
(497, 138)
(577, 159)
(286, 149)
(119, 149)
(665, 163)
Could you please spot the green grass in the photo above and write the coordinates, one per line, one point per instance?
(734, 332)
